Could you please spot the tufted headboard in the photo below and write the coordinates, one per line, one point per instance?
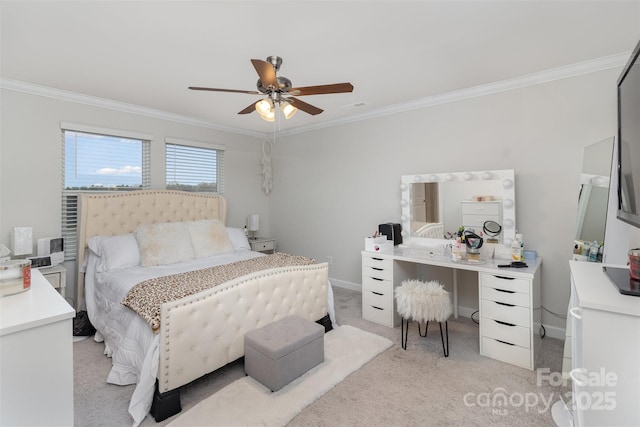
(109, 214)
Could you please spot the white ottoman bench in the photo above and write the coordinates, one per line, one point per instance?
(283, 350)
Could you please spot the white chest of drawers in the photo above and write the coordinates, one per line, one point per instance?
(507, 319)
(474, 214)
(378, 304)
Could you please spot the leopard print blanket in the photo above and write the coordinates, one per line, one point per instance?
(146, 297)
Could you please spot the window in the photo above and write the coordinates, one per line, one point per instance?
(191, 166)
(98, 160)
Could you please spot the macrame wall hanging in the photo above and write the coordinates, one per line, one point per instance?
(267, 176)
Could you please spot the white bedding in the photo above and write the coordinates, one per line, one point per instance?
(128, 339)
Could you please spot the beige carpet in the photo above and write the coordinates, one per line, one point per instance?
(246, 402)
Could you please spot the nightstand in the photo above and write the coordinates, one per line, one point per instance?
(57, 276)
(266, 245)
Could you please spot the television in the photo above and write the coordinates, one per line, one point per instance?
(629, 141)
(628, 163)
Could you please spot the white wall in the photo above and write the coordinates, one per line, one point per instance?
(332, 187)
(30, 162)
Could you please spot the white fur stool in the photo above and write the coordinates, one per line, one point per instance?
(423, 302)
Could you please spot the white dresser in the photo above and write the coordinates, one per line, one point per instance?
(509, 299)
(36, 357)
(475, 214)
(605, 346)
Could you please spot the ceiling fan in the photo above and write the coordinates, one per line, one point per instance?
(279, 90)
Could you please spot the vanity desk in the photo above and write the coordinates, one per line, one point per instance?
(509, 298)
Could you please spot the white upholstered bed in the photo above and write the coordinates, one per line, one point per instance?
(197, 334)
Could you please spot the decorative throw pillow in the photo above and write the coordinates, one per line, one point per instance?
(238, 239)
(209, 237)
(116, 252)
(164, 243)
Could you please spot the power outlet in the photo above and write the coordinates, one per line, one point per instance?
(330, 260)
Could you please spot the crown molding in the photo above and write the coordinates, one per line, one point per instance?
(586, 67)
(64, 95)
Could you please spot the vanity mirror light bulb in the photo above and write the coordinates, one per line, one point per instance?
(507, 203)
(404, 202)
(449, 177)
(487, 176)
(433, 178)
(468, 176)
(508, 223)
(507, 183)
(403, 218)
(403, 187)
(417, 178)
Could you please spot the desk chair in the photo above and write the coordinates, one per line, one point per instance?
(423, 302)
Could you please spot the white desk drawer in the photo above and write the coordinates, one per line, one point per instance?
(378, 273)
(376, 299)
(375, 262)
(264, 246)
(378, 315)
(480, 208)
(505, 313)
(513, 334)
(505, 282)
(509, 353)
(377, 285)
(478, 221)
(501, 295)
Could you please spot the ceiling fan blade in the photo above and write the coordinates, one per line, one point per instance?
(321, 89)
(301, 105)
(266, 72)
(249, 109)
(213, 89)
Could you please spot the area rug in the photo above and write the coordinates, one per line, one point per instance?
(246, 402)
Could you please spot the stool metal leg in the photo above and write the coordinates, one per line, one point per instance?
(426, 327)
(403, 333)
(445, 347)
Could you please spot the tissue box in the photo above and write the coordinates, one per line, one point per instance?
(377, 244)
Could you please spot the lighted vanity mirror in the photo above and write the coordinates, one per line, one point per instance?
(593, 191)
(434, 205)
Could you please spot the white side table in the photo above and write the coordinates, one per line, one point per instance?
(57, 276)
(266, 245)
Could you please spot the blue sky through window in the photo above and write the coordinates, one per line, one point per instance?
(99, 161)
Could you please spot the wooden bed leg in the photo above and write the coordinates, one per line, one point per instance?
(326, 322)
(165, 405)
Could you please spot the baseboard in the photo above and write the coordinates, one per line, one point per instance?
(345, 285)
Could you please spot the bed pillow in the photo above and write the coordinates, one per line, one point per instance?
(116, 252)
(209, 237)
(164, 243)
(238, 239)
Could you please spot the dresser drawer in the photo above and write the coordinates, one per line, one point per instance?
(505, 282)
(377, 285)
(478, 221)
(377, 314)
(509, 353)
(377, 299)
(375, 262)
(378, 273)
(505, 313)
(54, 279)
(480, 208)
(502, 295)
(513, 334)
(268, 245)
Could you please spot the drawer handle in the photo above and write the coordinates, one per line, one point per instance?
(505, 277)
(377, 293)
(504, 342)
(378, 269)
(377, 259)
(375, 278)
(505, 304)
(377, 308)
(505, 291)
(504, 323)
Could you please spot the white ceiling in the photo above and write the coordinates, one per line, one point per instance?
(146, 53)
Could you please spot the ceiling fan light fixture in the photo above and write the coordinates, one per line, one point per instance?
(266, 109)
(287, 109)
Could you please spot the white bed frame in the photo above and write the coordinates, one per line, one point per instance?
(205, 331)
